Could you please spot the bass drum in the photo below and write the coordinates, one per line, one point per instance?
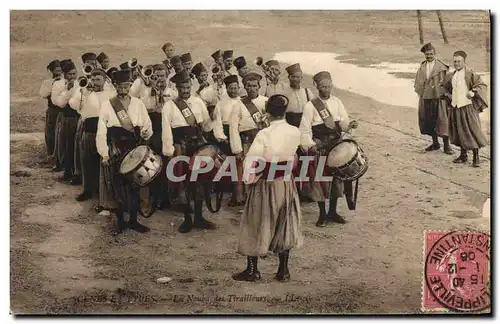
(210, 187)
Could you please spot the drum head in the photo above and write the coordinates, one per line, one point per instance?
(133, 159)
(342, 154)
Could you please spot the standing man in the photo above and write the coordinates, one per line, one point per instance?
(466, 95)
(241, 66)
(323, 121)
(432, 114)
(87, 102)
(274, 85)
(271, 218)
(297, 96)
(69, 121)
(183, 120)
(248, 117)
(54, 68)
(169, 50)
(200, 72)
(227, 56)
(90, 58)
(187, 61)
(103, 60)
(123, 122)
(154, 98)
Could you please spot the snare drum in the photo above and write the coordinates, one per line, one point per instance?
(214, 153)
(141, 165)
(347, 161)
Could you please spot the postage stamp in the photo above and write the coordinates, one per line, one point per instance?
(456, 272)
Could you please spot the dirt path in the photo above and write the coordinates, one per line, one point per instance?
(371, 264)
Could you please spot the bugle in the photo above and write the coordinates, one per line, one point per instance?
(259, 61)
(83, 82)
(132, 63)
(87, 69)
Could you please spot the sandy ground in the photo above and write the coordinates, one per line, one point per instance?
(64, 261)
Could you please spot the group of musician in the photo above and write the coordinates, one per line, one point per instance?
(175, 108)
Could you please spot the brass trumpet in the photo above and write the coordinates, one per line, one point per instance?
(83, 82)
(132, 63)
(87, 69)
(147, 71)
(259, 61)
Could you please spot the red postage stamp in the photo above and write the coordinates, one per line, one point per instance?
(456, 272)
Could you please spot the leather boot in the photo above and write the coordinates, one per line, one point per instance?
(462, 158)
(199, 221)
(283, 274)
(475, 158)
(322, 214)
(251, 273)
(435, 144)
(120, 222)
(77, 180)
(446, 144)
(187, 224)
(332, 213)
(85, 195)
(134, 225)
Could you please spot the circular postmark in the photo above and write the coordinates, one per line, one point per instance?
(457, 271)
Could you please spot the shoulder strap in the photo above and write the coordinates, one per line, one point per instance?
(307, 94)
(252, 109)
(323, 112)
(186, 112)
(122, 114)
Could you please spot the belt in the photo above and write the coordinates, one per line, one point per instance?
(69, 112)
(249, 135)
(90, 124)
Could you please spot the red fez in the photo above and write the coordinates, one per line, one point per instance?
(175, 59)
(186, 57)
(67, 65)
(294, 68)
(110, 72)
(89, 57)
(427, 47)
(321, 76)
(181, 77)
(215, 55)
(101, 57)
(231, 79)
(52, 65)
(122, 76)
(99, 71)
(251, 76)
(198, 68)
(227, 54)
(460, 53)
(276, 105)
(159, 67)
(240, 62)
(164, 47)
(272, 62)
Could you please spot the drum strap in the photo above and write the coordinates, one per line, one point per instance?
(323, 112)
(186, 112)
(307, 95)
(253, 110)
(122, 114)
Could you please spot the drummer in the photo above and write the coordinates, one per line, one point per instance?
(244, 125)
(223, 112)
(183, 121)
(324, 119)
(123, 121)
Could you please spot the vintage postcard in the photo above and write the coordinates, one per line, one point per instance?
(250, 162)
